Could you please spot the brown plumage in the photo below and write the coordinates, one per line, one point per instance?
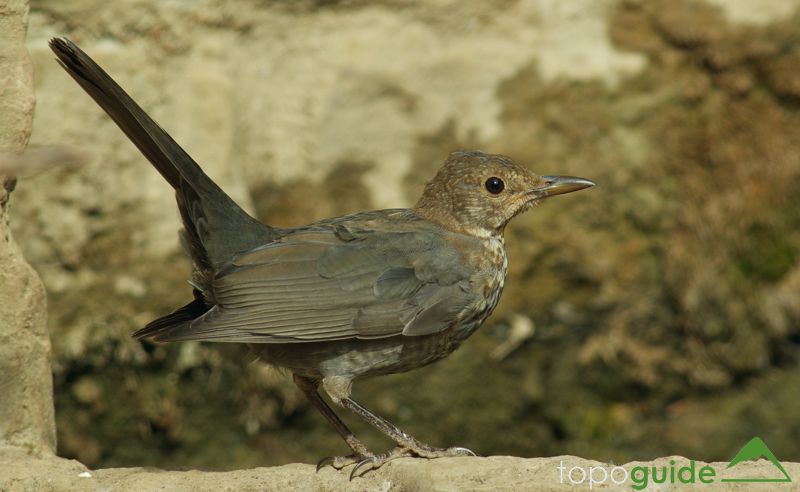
(344, 298)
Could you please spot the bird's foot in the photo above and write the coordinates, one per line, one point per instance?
(419, 450)
(339, 462)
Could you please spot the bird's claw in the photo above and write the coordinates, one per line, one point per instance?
(427, 452)
(380, 459)
(361, 464)
(460, 451)
(327, 460)
(339, 462)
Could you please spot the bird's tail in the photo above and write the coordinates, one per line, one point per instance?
(215, 227)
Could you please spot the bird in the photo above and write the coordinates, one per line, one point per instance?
(345, 298)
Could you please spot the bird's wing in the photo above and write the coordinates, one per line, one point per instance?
(319, 284)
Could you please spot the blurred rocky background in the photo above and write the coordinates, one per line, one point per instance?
(656, 314)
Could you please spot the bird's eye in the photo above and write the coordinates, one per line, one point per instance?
(494, 185)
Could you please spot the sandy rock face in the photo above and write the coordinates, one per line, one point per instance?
(26, 405)
(499, 473)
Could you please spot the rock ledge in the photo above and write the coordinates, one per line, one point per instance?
(21, 472)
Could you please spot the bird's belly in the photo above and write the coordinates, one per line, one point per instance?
(358, 359)
(375, 358)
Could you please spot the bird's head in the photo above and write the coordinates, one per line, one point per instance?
(477, 194)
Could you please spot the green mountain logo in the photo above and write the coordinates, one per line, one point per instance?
(754, 450)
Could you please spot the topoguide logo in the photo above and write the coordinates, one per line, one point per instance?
(641, 477)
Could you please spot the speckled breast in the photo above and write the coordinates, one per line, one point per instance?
(490, 281)
(493, 281)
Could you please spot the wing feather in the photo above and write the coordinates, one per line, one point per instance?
(312, 285)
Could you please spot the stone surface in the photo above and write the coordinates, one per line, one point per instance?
(500, 473)
(26, 404)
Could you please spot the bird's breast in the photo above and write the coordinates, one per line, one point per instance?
(487, 282)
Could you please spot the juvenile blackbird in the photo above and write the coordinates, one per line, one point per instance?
(345, 298)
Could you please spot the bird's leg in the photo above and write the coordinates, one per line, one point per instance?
(403, 439)
(338, 388)
(360, 451)
(406, 445)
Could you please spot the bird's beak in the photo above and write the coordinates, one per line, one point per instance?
(558, 185)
